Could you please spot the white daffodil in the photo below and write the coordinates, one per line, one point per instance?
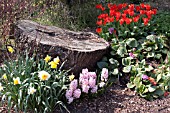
(16, 81)
(31, 90)
(43, 75)
(1, 88)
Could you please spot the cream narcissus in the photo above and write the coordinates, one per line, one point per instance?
(43, 75)
(16, 81)
(4, 76)
(1, 88)
(31, 90)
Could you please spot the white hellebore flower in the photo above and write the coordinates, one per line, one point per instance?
(43, 75)
(31, 90)
(1, 88)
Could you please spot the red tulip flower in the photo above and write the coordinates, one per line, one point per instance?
(145, 20)
(128, 20)
(99, 22)
(99, 30)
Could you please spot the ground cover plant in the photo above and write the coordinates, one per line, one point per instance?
(137, 48)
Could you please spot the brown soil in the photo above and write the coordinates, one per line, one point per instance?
(119, 100)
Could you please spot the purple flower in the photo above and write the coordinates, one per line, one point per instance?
(131, 55)
(70, 100)
(85, 88)
(84, 71)
(111, 30)
(94, 89)
(69, 93)
(145, 77)
(104, 74)
(85, 82)
(92, 74)
(73, 84)
(92, 82)
(77, 93)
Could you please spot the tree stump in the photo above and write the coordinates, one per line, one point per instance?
(78, 49)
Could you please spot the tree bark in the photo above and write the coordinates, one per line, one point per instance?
(78, 49)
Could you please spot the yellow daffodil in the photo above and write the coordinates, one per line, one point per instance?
(47, 58)
(1, 88)
(4, 76)
(71, 77)
(10, 49)
(43, 75)
(31, 90)
(57, 60)
(16, 81)
(54, 63)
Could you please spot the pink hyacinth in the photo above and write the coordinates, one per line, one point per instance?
(85, 71)
(85, 88)
(85, 82)
(92, 82)
(69, 93)
(74, 84)
(92, 74)
(77, 93)
(70, 100)
(104, 74)
(94, 89)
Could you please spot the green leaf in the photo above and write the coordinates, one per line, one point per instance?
(115, 72)
(150, 54)
(121, 51)
(158, 77)
(151, 37)
(102, 64)
(159, 92)
(132, 42)
(127, 69)
(158, 56)
(115, 47)
(113, 61)
(126, 61)
(149, 68)
(130, 85)
(152, 88)
(137, 81)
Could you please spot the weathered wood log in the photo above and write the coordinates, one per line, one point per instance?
(79, 49)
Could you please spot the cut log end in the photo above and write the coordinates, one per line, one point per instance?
(79, 49)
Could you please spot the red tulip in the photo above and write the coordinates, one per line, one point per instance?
(99, 22)
(128, 20)
(121, 21)
(145, 20)
(135, 19)
(137, 8)
(99, 6)
(99, 30)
